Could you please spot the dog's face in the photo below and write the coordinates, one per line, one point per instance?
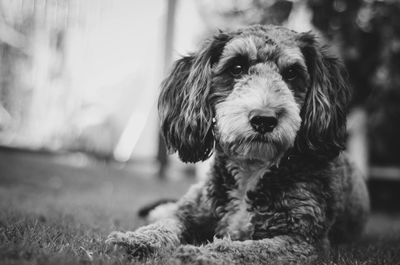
(259, 87)
(255, 93)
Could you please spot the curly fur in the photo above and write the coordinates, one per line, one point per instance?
(278, 197)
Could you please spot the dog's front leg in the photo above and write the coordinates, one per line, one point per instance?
(277, 250)
(159, 239)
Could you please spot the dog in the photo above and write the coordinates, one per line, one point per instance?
(270, 104)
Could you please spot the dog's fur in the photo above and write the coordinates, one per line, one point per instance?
(276, 197)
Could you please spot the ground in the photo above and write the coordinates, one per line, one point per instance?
(59, 210)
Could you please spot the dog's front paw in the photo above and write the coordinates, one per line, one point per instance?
(196, 255)
(136, 245)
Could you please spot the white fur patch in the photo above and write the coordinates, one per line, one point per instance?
(237, 223)
(163, 211)
(168, 210)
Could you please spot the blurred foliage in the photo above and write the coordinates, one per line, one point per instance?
(367, 33)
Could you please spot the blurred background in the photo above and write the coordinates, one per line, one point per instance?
(80, 150)
(80, 79)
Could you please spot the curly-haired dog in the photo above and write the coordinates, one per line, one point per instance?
(271, 104)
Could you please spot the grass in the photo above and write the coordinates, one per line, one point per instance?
(60, 209)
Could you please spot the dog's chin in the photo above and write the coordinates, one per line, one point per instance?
(266, 151)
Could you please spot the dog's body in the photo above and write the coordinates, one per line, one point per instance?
(271, 104)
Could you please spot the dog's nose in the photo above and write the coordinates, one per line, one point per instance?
(263, 124)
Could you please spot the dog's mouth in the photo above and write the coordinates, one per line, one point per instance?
(258, 147)
(261, 139)
(246, 143)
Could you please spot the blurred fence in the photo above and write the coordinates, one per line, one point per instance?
(74, 74)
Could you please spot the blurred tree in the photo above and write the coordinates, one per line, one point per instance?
(231, 14)
(162, 155)
(367, 33)
(15, 29)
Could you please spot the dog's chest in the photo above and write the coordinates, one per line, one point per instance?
(236, 221)
(264, 204)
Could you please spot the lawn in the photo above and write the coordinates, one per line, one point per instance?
(59, 209)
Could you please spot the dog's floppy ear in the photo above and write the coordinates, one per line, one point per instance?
(323, 130)
(185, 113)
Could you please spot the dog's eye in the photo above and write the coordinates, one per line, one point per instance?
(237, 66)
(289, 74)
(236, 70)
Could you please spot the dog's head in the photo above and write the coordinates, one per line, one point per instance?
(255, 93)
